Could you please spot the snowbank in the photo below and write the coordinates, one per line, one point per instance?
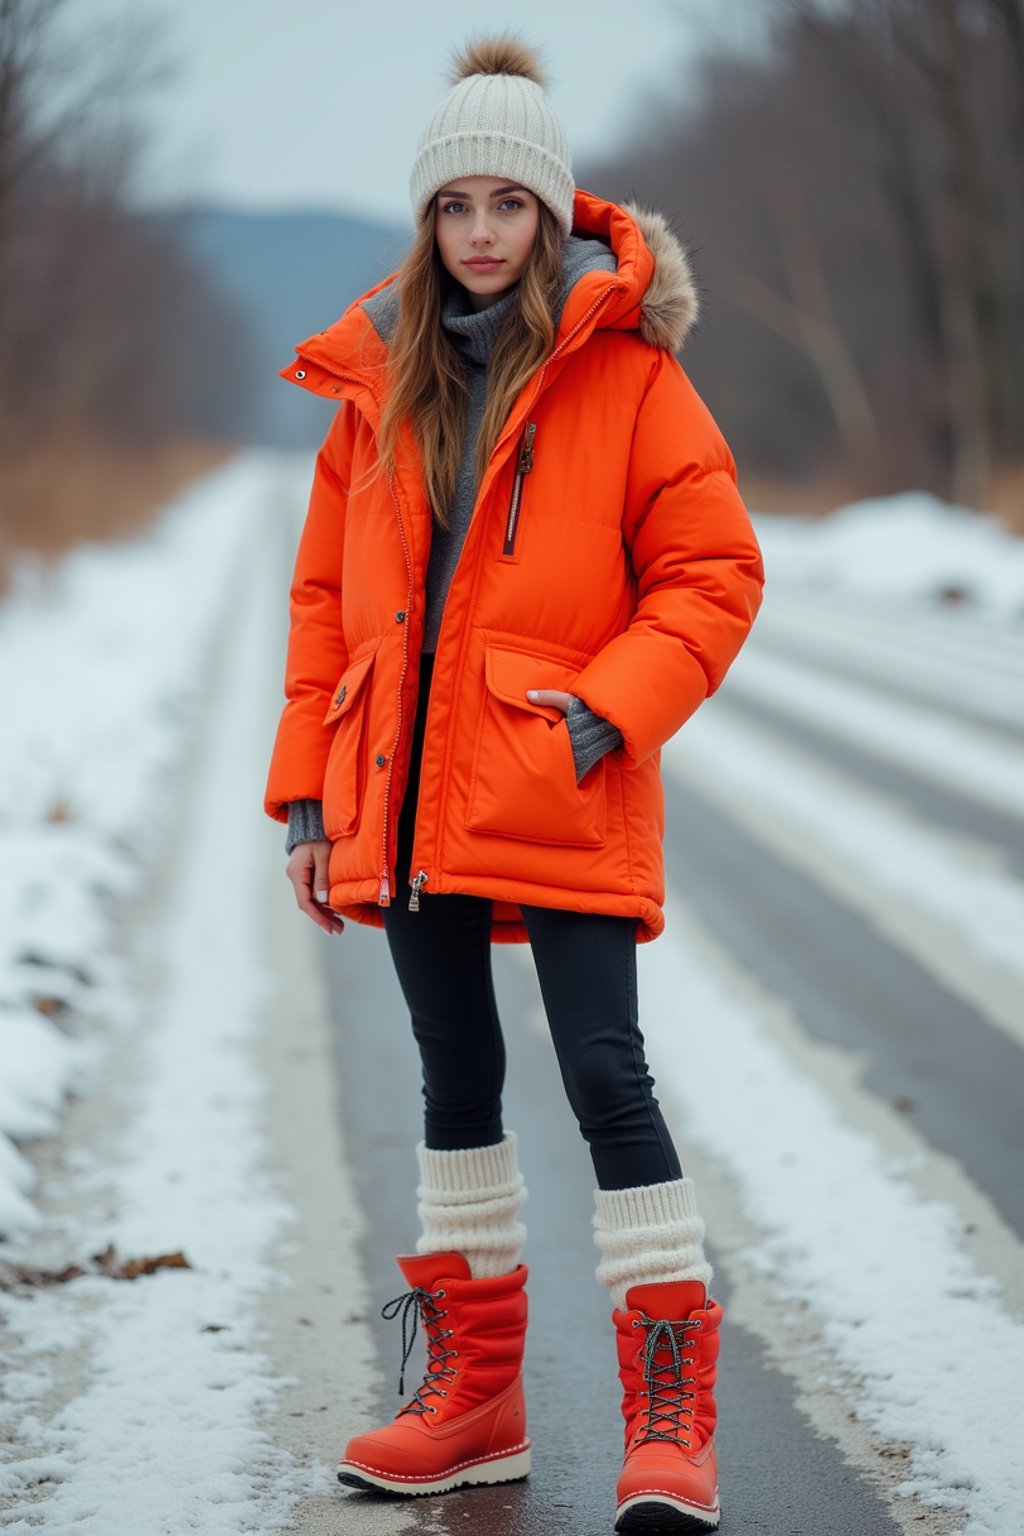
(911, 547)
(101, 664)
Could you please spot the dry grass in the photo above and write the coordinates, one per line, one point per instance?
(1008, 498)
(806, 498)
(74, 489)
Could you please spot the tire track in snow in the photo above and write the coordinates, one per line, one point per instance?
(944, 900)
(977, 648)
(905, 664)
(925, 800)
(913, 1043)
(968, 762)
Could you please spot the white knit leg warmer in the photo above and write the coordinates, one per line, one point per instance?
(648, 1234)
(467, 1203)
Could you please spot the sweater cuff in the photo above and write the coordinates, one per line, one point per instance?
(591, 736)
(305, 823)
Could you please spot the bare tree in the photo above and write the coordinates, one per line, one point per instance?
(110, 337)
(859, 185)
(802, 311)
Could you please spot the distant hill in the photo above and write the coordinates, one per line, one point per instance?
(291, 274)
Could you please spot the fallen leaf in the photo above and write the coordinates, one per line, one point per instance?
(106, 1263)
(49, 1005)
(13, 1275)
(130, 1269)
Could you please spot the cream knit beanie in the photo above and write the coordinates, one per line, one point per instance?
(496, 121)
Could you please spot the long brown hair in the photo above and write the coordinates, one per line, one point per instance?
(428, 373)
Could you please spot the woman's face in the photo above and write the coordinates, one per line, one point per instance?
(486, 227)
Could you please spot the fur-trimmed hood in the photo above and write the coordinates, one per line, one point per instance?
(652, 291)
(654, 288)
(670, 307)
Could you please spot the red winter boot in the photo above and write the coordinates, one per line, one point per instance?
(466, 1423)
(668, 1345)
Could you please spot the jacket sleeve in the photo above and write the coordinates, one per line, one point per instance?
(697, 566)
(316, 655)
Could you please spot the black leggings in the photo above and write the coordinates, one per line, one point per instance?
(586, 965)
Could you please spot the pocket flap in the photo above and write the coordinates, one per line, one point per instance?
(349, 686)
(510, 673)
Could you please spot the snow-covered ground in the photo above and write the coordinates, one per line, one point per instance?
(132, 847)
(903, 549)
(139, 686)
(101, 669)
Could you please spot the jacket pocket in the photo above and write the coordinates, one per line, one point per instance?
(524, 777)
(344, 775)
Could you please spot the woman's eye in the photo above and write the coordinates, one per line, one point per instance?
(447, 207)
(510, 202)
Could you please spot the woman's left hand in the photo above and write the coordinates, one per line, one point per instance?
(550, 698)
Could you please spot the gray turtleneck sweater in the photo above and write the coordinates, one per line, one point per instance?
(474, 333)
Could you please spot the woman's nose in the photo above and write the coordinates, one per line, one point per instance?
(481, 232)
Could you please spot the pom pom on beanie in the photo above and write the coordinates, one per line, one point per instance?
(496, 120)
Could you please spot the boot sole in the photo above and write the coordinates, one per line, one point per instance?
(643, 1513)
(511, 1468)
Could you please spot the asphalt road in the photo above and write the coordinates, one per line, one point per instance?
(777, 1475)
(789, 1461)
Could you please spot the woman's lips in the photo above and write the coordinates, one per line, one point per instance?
(482, 263)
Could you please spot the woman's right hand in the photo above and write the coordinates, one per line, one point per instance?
(307, 871)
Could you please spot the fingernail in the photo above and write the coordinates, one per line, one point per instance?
(321, 895)
(531, 693)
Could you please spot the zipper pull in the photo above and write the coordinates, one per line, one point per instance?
(384, 899)
(526, 456)
(417, 886)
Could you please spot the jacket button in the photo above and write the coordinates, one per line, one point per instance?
(341, 695)
(400, 616)
(381, 760)
(300, 373)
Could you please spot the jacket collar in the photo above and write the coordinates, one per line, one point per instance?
(652, 292)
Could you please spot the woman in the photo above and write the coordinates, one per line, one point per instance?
(525, 564)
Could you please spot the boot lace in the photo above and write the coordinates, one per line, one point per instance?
(415, 1307)
(668, 1401)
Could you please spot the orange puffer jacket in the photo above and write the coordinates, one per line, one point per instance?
(609, 554)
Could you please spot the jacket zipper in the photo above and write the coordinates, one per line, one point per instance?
(384, 899)
(523, 468)
(417, 885)
(581, 322)
(384, 896)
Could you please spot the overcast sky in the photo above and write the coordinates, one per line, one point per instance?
(319, 103)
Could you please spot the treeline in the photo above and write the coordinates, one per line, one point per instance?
(853, 197)
(116, 353)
